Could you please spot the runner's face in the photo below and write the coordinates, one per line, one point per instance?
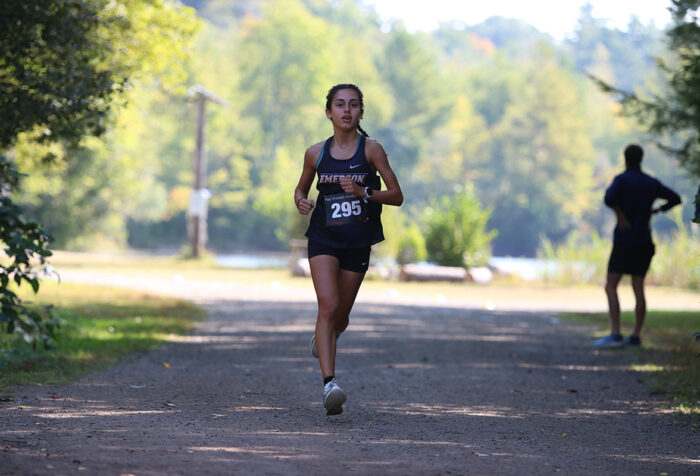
(346, 110)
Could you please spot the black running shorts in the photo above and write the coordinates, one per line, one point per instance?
(631, 259)
(350, 259)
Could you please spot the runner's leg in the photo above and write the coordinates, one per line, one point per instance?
(348, 285)
(640, 308)
(611, 283)
(325, 276)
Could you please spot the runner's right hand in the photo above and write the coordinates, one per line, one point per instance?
(305, 206)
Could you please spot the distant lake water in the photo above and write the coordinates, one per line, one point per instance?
(254, 260)
(527, 268)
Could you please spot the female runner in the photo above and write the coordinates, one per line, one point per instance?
(344, 224)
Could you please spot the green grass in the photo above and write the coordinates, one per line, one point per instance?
(98, 326)
(668, 358)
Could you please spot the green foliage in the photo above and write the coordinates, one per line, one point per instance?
(411, 245)
(53, 69)
(456, 234)
(404, 241)
(23, 243)
(410, 70)
(594, 44)
(582, 258)
(674, 112)
(62, 63)
(85, 193)
(677, 258)
(499, 106)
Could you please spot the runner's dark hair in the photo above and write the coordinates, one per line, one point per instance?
(331, 93)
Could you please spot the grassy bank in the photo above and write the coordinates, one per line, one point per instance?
(98, 326)
(668, 359)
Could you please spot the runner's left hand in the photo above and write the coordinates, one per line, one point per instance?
(349, 186)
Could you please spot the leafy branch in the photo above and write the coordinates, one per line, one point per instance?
(26, 248)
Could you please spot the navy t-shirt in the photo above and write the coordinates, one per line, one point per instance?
(634, 193)
(339, 219)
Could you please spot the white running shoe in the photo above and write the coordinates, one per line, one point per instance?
(314, 350)
(333, 398)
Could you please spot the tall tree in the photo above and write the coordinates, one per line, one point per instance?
(93, 185)
(539, 177)
(422, 100)
(673, 115)
(63, 65)
(283, 82)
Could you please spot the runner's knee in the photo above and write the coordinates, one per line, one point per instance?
(327, 308)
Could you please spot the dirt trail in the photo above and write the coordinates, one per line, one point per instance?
(431, 390)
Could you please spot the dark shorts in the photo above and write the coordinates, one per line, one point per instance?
(350, 259)
(631, 259)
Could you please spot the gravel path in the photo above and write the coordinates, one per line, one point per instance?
(431, 390)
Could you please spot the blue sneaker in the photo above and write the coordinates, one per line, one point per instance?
(609, 341)
(633, 341)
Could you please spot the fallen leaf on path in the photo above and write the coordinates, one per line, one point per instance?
(166, 365)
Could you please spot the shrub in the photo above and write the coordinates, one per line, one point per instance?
(404, 240)
(24, 244)
(457, 233)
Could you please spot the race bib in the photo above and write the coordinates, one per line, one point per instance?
(344, 208)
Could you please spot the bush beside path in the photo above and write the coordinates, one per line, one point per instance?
(432, 390)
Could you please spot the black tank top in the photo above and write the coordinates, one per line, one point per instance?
(339, 219)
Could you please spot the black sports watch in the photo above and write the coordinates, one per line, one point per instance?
(368, 192)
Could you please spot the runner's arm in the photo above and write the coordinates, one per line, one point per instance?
(671, 197)
(378, 159)
(301, 192)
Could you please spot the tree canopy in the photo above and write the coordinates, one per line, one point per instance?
(499, 107)
(673, 113)
(66, 67)
(63, 63)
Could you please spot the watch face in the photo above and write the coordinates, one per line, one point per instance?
(369, 191)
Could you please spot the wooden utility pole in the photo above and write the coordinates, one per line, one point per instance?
(197, 212)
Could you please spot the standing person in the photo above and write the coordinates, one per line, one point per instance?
(631, 196)
(344, 224)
